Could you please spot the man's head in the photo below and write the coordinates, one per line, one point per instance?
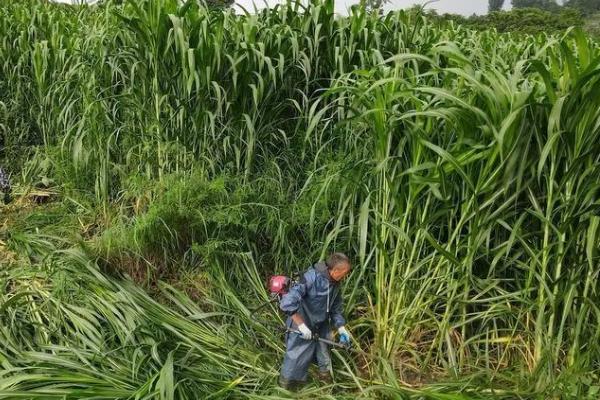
(338, 265)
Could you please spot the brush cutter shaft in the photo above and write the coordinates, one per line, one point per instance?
(263, 305)
(320, 339)
(338, 345)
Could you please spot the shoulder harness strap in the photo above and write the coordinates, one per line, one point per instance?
(320, 268)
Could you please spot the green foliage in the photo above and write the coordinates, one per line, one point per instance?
(70, 333)
(549, 5)
(524, 20)
(530, 17)
(374, 5)
(458, 168)
(587, 7)
(495, 5)
(181, 225)
(592, 25)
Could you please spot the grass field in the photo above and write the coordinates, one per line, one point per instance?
(166, 159)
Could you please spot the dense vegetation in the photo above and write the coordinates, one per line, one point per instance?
(533, 16)
(168, 158)
(530, 20)
(541, 4)
(587, 7)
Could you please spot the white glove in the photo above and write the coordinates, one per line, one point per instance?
(306, 333)
(344, 335)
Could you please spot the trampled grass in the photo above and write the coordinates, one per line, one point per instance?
(198, 151)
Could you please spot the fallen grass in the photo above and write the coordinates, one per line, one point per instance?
(458, 169)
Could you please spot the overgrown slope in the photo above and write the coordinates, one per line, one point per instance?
(204, 150)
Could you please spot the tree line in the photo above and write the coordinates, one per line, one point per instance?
(587, 7)
(534, 16)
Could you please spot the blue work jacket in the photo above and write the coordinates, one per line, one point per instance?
(317, 298)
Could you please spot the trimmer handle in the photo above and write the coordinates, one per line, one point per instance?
(316, 338)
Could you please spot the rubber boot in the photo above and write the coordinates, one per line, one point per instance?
(324, 377)
(288, 384)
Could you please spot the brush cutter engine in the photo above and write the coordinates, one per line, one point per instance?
(279, 285)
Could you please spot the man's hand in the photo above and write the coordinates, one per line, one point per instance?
(344, 336)
(306, 333)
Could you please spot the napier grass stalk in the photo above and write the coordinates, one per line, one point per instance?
(458, 169)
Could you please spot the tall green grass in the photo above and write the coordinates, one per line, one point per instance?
(459, 169)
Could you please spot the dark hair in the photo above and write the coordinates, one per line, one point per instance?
(337, 258)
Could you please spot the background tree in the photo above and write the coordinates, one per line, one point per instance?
(524, 20)
(587, 7)
(375, 5)
(549, 5)
(495, 5)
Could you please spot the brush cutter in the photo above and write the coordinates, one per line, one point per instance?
(278, 286)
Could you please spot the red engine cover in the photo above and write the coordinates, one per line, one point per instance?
(279, 284)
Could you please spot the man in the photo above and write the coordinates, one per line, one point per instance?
(314, 306)
(5, 186)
